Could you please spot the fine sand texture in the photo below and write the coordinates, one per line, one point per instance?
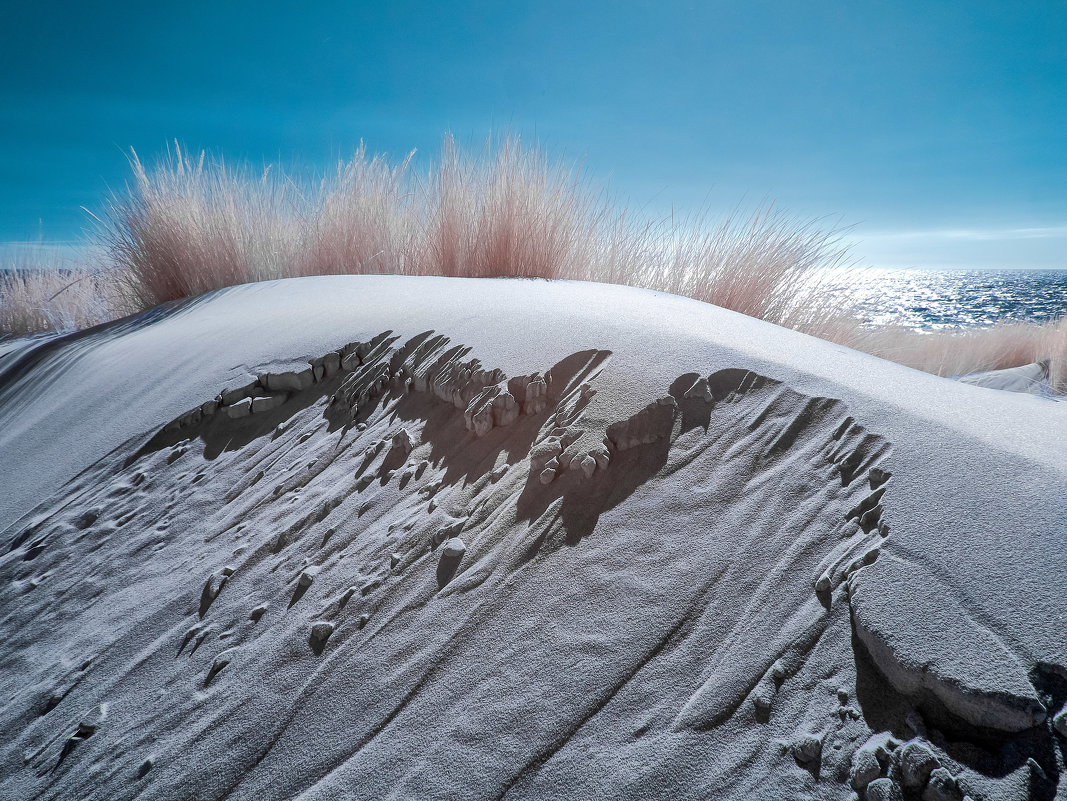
(377, 537)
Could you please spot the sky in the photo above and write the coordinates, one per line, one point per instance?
(934, 131)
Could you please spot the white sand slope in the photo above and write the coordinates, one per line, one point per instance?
(1032, 378)
(369, 537)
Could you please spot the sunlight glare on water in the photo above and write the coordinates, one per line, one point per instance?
(939, 299)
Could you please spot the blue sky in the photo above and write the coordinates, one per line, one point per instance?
(938, 130)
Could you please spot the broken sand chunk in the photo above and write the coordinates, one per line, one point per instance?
(530, 392)
(865, 768)
(941, 786)
(228, 397)
(320, 633)
(545, 452)
(265, 404)
(451, 555)
(588, 465)
(449, 530)
(700, 390)
(807, 747)
(550, 470)
(307, 577)
(917, 762)
(505, 409)
(287, 382)
(402, 442)
(331, 364)
(883, 790)
(478, 416)
(454, 548)
(651, 424)
(242, 408)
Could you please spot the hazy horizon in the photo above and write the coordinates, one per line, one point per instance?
(935, 135)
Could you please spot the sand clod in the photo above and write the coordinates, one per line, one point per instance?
(402, 443)
(307, 577)
(941, 786)
(451, 555)
(865, 768)
(651, 424)
(287, 382)
(239, 409)
(807, 748)
(917, 761)
(883, 790)
(320, 632)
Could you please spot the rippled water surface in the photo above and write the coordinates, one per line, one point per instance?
(933, 299)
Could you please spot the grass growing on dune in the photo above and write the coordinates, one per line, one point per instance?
(40, 291)
(954, 353)
(189, 226)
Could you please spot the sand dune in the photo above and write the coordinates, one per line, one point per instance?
(368, 537)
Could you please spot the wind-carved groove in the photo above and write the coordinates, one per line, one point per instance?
(780, 422)
(534, 765)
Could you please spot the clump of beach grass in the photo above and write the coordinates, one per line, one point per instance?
(41, 291)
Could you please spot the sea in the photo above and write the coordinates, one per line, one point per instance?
(932, 300)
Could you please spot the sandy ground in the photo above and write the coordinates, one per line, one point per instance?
(369, 537)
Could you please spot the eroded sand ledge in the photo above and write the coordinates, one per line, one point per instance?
(647, 566)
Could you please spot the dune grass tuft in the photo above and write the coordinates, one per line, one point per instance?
(956, 353)
(189, 225)
(40, 291)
